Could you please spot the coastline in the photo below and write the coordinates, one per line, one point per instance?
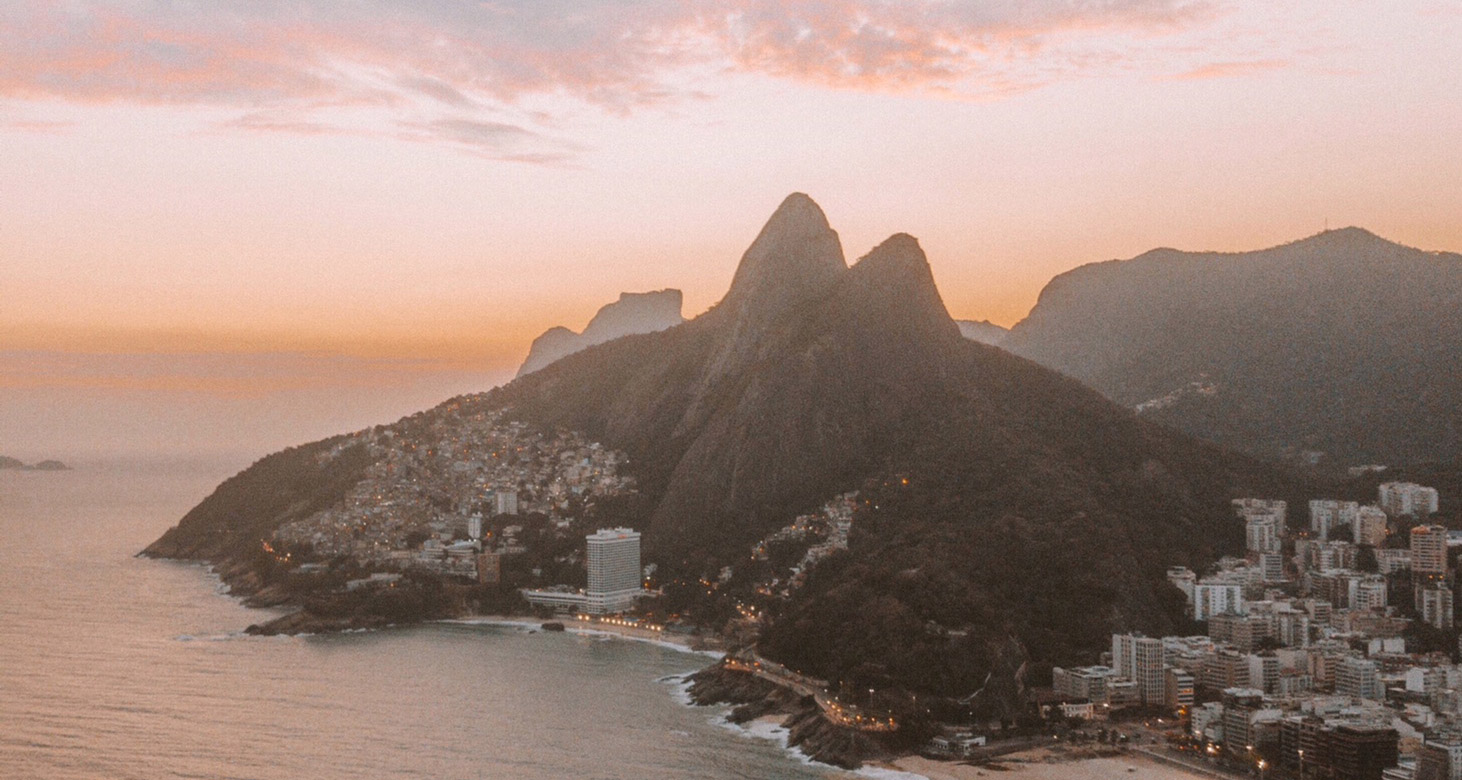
(677, 642)
(1044, 764)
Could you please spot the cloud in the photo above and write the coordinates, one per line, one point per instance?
(428, 62)
(1225, 70)
(495, 140)
(38, 125)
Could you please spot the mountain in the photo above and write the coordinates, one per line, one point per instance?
(632, 313)
(10, 463)
(1004, 510)
(1003, 498)
(1342, 344)
(983, 331)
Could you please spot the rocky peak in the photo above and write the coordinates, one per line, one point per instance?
(893, 288)
(796, 256)
(633, 313)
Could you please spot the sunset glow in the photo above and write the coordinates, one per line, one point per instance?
(257, 203)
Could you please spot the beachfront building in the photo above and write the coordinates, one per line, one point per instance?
(613, 556)
(614, 570)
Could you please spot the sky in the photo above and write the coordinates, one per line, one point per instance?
(234, 225)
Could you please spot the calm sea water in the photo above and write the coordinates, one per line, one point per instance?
(117, 667)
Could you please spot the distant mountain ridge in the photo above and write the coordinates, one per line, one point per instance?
(983, 331)
(633, 313)
(14, 464)
(1342, 343)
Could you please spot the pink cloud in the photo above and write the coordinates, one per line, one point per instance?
(433, 60)
(38, 125)
(1226, 70)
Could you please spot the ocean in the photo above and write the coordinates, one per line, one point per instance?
(117, 667)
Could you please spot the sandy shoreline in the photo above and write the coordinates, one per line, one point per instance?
(677, 642)
(1036, 765)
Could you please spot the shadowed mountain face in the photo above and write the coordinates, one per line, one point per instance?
(632, 313)
(1343, 343)
(1008, 498)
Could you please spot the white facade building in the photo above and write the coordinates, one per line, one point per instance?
(1140, 659)
(1408, 498)
(1216, 598)
(614, 570)
(1265, 533)
(505, 502)
(1358, 678)
(1369, 526)
(1436, 606)
(1326, 514)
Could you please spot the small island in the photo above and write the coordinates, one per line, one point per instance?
(14, 464)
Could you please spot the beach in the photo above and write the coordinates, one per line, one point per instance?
(1044, 764)
(673, 641)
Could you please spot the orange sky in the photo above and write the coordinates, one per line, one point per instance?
(194, 199)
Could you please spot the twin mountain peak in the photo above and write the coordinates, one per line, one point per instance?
(796, 259)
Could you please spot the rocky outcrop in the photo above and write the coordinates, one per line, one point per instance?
(633, 313)
(808, 730)
(306, 622)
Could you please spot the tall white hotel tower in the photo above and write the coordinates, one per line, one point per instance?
(614, 570)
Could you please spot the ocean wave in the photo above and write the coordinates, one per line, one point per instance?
(765, 729)
(681, 691)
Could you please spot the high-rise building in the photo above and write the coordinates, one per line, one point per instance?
(1140, 659)
(1440, 758)
(1408, 498)
(505, 502)
(1239, 706)
(1358, 678)
(1216, 598)
(1326, 514)
(1263, 673)
(1226, 669)
(1429, 551)
(1390, 560)
(1369, 593)
(489, 568)
(614, 570)
(1178, 687)
(1272, 564)
(1436, 605)
(1362, 752)
(1086, 682)
(1264, 533)
(474, 526)
(1369, 526)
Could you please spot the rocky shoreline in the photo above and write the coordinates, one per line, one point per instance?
(808, 731)
(305, 622)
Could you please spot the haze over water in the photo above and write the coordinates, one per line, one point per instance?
(118, 667)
